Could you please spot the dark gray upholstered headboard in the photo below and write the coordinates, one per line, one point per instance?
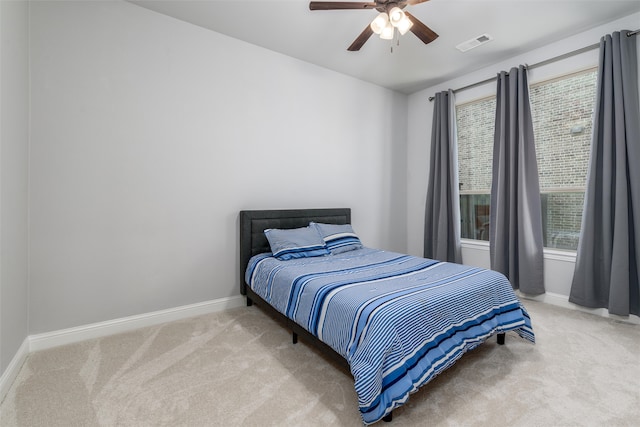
(253, 224)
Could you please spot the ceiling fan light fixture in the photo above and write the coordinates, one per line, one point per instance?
(396, 15)
(404, 25)
(390, 16)
(388, 32)
(379, 23)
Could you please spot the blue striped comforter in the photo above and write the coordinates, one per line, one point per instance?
(398, 320)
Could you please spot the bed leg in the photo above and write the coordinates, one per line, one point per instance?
(249, 302)
(294, 337)
(387, 418)
(501, 339)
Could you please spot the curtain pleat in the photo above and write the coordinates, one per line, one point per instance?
(515, 227)
(606, 272)
(442, 212)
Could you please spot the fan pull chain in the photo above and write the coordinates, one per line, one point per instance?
(396, 35)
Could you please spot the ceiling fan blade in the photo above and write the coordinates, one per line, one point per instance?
(412, 2)
(361, 39)
(423, 32)
(335, 5)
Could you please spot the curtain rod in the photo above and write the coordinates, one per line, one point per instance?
(541, 63)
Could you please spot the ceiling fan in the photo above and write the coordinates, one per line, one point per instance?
(392, 17)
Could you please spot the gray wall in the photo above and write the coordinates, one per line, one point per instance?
(150, 134)
(14, 138)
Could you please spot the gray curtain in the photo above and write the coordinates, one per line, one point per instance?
(442, 213)
(515, 221)
(606, 273)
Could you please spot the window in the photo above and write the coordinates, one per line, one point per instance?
(475, 123)
(562, 111)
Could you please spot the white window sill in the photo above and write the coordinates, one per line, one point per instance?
(549, 253)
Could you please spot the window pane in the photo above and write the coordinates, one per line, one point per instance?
(474, 216)
(561, 218)
(475, 124)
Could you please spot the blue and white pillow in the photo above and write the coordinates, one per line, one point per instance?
(295, 243)
(338, 238)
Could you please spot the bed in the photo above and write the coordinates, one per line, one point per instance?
(394, 321)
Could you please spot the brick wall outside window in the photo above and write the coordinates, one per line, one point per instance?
(562, 111)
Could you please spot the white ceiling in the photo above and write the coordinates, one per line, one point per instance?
(322, 37)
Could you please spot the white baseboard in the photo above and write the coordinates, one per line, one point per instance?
(563, 301)
(9, 375)
(101, 329)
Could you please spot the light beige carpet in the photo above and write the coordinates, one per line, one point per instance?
(239, 368)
